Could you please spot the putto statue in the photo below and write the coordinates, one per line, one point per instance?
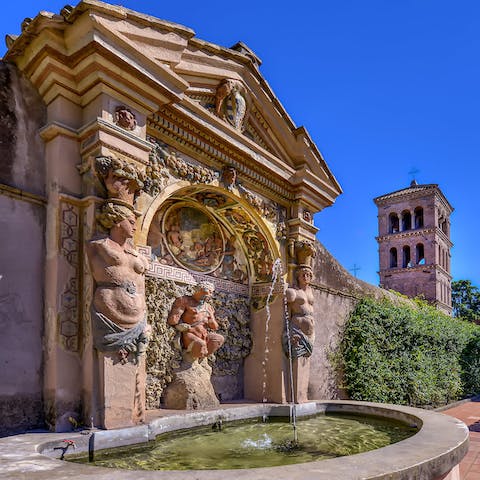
(118, 309)
(194, 318)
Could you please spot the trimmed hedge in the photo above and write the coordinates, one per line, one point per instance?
(409, 355)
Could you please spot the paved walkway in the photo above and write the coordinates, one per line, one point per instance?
(469, 413)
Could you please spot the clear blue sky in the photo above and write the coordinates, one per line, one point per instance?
(381, 85)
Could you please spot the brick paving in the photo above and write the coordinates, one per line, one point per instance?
(469, 413)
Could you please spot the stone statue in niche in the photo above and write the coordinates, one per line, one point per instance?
(125, 118)
(118, 309)
(231, 102)
(194, 319)
(302, 331)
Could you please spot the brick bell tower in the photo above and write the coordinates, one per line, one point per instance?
(414, 243)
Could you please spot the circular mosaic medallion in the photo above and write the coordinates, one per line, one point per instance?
(193, 238)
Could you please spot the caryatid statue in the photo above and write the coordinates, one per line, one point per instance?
(118, 308)
(300, 303)
(301, 329)
(194, 318)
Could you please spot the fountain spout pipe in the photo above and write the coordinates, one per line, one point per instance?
(277, 272)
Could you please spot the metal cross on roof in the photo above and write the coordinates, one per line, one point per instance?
(355, 269)
(413, 171)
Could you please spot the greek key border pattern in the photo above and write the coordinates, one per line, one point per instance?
(169, 272)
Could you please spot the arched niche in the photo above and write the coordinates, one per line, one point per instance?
(210, 231)
(236, 248)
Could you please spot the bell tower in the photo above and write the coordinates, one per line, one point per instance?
(414, 243)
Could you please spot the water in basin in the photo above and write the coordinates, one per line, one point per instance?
(256, 444)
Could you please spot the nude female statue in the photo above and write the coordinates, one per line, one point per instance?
(119, 310)
(300, 303)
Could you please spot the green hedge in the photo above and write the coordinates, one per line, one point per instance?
(410, 355)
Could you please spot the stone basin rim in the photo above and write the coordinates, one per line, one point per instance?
(440, 444)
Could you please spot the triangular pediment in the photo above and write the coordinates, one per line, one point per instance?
(162, 66)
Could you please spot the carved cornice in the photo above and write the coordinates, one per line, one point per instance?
(23, 195)
(171, 127)
(406, 234)
(94, 63)
(433, 233)
(416, 268)
(181, 275)
(439, 232)
(413, 192)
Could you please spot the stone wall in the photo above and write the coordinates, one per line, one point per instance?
(336, 293)
(22, 225)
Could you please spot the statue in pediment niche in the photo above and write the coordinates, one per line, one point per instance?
(231, 102)
(229, 177)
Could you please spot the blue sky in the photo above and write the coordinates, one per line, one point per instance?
(382, 86)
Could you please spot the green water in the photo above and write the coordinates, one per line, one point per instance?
(257, 444)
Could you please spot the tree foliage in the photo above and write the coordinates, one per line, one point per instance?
(466, 300)
(409, 355)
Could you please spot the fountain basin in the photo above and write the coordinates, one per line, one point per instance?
(433, 453)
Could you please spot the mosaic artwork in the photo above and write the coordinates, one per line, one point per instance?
(193, 238)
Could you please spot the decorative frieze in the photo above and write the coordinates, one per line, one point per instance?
(169, 272)
(206, 146)
(68, 315)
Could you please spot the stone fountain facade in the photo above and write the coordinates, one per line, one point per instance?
(226, 185)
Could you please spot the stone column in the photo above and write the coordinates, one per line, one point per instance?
(63, 266)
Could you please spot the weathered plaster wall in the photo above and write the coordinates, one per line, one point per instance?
(336, 293)
(22, 250)
(22, 113)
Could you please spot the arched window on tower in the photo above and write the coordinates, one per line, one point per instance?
(420, 254)
(406, 257)
(406, 220)
(393, 224)
(393, 258)
(418, 214)
(444, 227)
